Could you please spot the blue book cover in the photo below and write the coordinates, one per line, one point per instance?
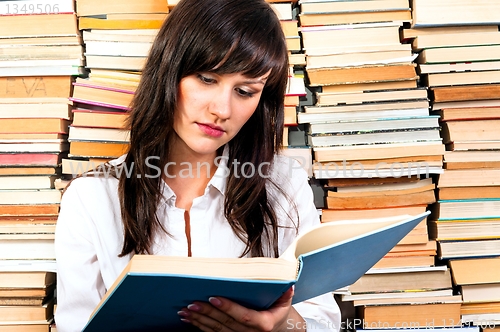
(332, 255)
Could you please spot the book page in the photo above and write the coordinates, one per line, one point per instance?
(254, 268)
(330, 233)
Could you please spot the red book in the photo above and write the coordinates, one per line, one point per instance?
(30, 159)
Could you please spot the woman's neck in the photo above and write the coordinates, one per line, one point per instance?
(188, 174)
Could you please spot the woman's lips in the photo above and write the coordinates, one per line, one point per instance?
(211, 130)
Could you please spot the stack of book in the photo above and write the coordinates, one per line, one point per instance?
(293, 136)
(459, 52)
(119, 35)
(97, 133)
(337, 36)
(480, 291)
(459, 64)
(370, 198)
(40, 54)
(39, 39)
(370, 124)
(368, 107)
(414, 256)
(383, 295)
(117, 38)
(287, 13)
(399, 298)
(466, 218)
(375, 148)
(26, 299)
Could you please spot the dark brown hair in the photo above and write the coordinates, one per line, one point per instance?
(221, 36)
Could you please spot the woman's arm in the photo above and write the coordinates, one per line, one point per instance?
(79, 283)
(87, 244)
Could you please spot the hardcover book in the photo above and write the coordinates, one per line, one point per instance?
(151, 289)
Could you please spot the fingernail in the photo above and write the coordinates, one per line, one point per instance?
(215, 301)
(183, 313)
(185, 320)
(194, 307)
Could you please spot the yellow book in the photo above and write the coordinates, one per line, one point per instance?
(98, 23)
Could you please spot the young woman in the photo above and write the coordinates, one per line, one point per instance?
(203, 176)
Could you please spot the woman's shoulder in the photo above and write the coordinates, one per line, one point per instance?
(102, 179)
(88, 188)
(287, 170)
(284, 164)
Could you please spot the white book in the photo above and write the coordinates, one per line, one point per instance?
(98, 134)
(26, 182)
(344, 116)
(397, 295)
(30, 196)
(375, 138)
(27, 249)
(34, 147)
(109, 48)
(21, 265)
(57, 70)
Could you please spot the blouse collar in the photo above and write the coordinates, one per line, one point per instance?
(219, 180)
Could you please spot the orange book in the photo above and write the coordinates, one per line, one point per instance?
(102, 96)
(29, 210)
(97, 149)
(378, 151)
(101, 119)
(361, 74)
(328, 215)
(36, 87)
(475, 192)
(34, 125)
(471, 130)
(466, 92)
(43, 25)
(380, 200)
(465, 271)
(423, 315)
(428, 279)
(27, 171)
(100, 7)
(468, 113)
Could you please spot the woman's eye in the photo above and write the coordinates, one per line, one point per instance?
(244, 93)
(205, 79)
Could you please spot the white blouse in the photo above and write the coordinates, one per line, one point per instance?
(89, 238)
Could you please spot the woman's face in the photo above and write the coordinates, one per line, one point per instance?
(212, 108)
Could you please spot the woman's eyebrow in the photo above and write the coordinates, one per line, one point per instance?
(261, 80)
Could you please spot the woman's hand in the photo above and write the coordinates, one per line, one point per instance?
(223, 315)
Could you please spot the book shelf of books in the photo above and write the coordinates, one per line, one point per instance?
(392, 107)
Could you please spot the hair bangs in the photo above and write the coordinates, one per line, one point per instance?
(249, 43)
(253, 58)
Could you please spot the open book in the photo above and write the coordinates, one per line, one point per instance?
(151, 289)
